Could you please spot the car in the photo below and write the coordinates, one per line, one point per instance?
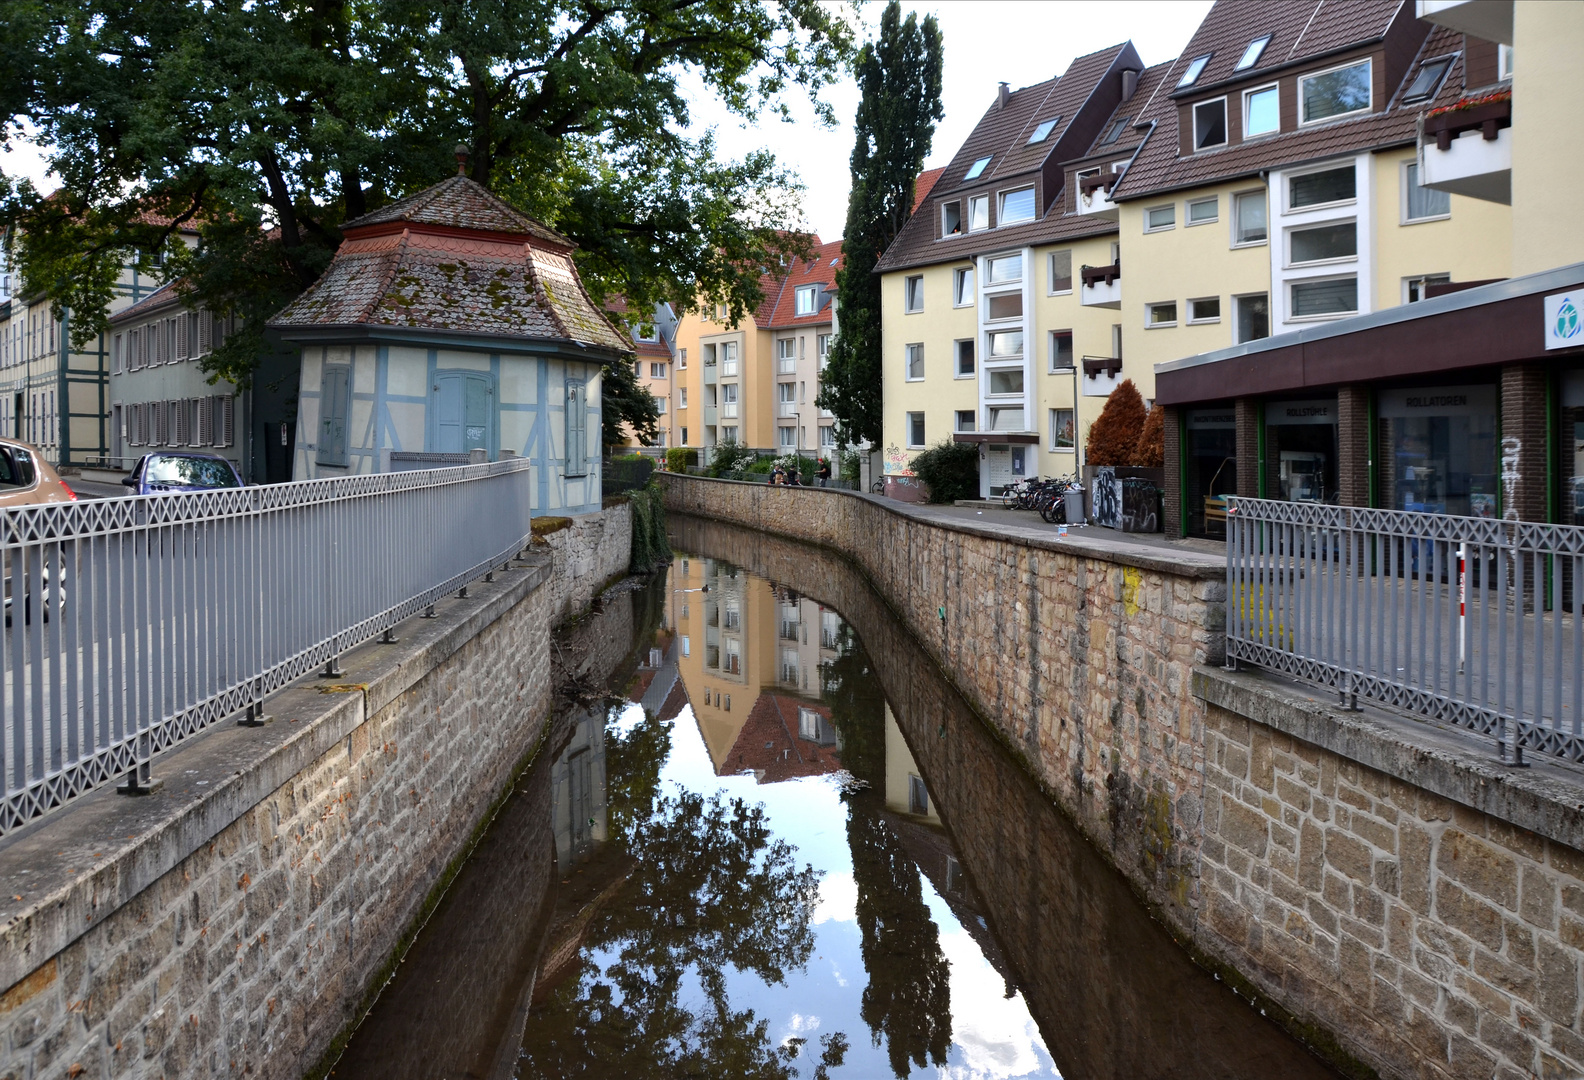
(26, 479)
(181, 471)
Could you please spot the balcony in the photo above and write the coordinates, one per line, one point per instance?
(1467, 148)
(710, 372)
(1096, 366)
(1482, 18)
(1094, 195)
(1102, 286)
(710, 417)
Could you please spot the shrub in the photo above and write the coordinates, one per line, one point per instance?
(950, 470)
(850, 467)
(678, 458)
(1115, 433)
(804, 466)
(760, 467)
(729, 457)
(1150, 453)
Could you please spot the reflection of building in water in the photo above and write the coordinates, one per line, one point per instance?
(577, 791)
(748, 654)
(905, 792)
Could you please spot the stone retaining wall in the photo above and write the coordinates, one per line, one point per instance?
(237, 921)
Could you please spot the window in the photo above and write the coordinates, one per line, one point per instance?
(1210, 127)
(1058, 272)
(915, 361)
(684, 440)
(1205, 310)
(1196, 68)
(1061, 429)
(1007, 419)
(646, 333)
(965, 358)
(1504, 61)
(115, 354)
(1428, 81)
(1340, 92)
(682, 359)
(1115, 131)
(1261, 112)
(1251, 54)
(965, 420)
(657, 371)
(1414, 287)
(786, 356)
(728, 398)
(963, 286)
(729, 433)
(976, 168)
(1006, 381)
(915, 429)
(1320, 188)
(728, 352)
(1160, 218)
(951, 219)
(1004, 306)
(1005, 344)
(1253, 317)
(913, 293)
(1204, 211)
(1043, 130)
(1248, 218)
(978, 213)
(827, 436)
(807, 299)
(786, 437)
(1016, 206)
(660, 405)
(576, 429)
(786, 393)
(1061, 350)
(720, 313)
(1161, 314)
(1004, 269)
(1422, 203)
(822, 349)
(918, 798)
(333, 397)
(681, 397)
(1319, 298)
(709, 355)
(1322, 243)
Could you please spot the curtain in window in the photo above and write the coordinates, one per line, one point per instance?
(1425, 202)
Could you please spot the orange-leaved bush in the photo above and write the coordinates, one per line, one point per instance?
(1115, 433)
(1150, 453)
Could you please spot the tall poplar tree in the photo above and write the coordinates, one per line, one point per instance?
(899, 75)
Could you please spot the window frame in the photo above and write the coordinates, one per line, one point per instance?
(1188, 206)
(973, 419)
(1238, 299)
(1006, 370)
(977, 168)
(1053, 421)
(1113, 134)
(1367, 61)
(1007, 358)
(1289, 177)
(1047, 126)
(1050, 273)
(1195, 320)
(975, 200)
(1007, 283)
(1249, 93)
(1226, 134)
(1247, 61)
(1442, 278)
(1326, 316)
(1237, 220)
(1148, 210)
(907, 361)
(811, 293)
(1001, 201)
(1151, 323)
(961, 224)
(1504, 62)
(923, 431)
(909, 296)
(957, 358)
(1446, 59)
(1402, 182)
(1290, 263)
(1051, 366)
(958, 274)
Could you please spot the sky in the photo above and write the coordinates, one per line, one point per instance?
(986, 42)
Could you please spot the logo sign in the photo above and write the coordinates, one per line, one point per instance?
(1564, 321)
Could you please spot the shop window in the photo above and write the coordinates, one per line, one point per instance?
(1438, 450)
(1301, 450)
(1209, 469)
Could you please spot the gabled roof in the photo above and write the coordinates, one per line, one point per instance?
(453, 259)
(1299, 30)
(768, 742)
(818, 271)
(165, 296)
(925, 184)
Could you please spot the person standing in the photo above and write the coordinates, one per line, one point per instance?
(824, 472)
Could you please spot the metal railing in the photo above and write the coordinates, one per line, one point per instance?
(1471, 621)
(134, 623)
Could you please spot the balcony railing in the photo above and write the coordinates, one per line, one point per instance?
(1102, 285)
(1094, 194)
(1467, 148)
(1102, 365)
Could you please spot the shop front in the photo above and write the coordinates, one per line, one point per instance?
(1571, 445)
(1209, 469)
(1300, 452)
(1438, 450)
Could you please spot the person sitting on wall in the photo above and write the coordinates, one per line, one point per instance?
(775, 475)
(824, 472)
(793, 479)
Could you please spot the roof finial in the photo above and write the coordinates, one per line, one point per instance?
(462, 158)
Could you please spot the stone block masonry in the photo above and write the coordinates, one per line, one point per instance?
(238, 921)
(1401, 901)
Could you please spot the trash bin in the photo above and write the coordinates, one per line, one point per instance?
(1074, 498)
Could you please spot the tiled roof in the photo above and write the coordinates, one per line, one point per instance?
(1159, 167)
(769, 745)
(432, 275)
(1298, 29)
(819, 270)
(161, 297)
(459, 202)
(924, 185)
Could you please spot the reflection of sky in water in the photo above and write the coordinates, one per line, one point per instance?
(992, 1036)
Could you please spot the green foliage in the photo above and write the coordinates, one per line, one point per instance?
(626, 405)
(899, 76)
(650, 548)
(805, 466)
(950, 470)
(679, 458)
(267, 125)
(1114, 436)
(850, 466)
(730, 457)
(760, 467)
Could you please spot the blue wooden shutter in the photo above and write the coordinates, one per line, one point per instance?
(333, 415)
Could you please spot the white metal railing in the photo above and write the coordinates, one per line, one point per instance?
(134, 623)
(728, 410)
(1471, 621)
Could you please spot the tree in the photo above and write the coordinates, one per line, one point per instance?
(1115, 433)
(625, 400)
(1150, 453)
(268, 123)
(899, 76)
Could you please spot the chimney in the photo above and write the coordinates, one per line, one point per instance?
(1005, 93)
(1129, 83)
(461, 156)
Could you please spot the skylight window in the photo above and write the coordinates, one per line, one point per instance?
(1252, 54)
(1195, 69)
(1116, 131)
(1428, 81)
(976, 168)
(1042, 132)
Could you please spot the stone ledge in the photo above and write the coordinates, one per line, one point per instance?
(1187, 563)
(1546, 798)
(84, 861)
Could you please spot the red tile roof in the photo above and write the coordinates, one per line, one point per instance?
(768, 742)
(924, 185)
(458, 202)
(819, 271)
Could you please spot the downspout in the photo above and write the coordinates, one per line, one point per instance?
(62, 402)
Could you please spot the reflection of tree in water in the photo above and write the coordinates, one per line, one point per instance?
(710, 888)
(908, 999)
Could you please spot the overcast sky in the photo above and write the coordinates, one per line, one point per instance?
(986, 42)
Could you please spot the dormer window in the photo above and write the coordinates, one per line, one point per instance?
(951, 219)
(976, 168)
(978, 213)
(1115, 132)
(1251, 55)
(1196, 68)
(1042, 132)
(1016, 206)
(1210, 127)
(807, 299)
(1428, 81)
(1331, 94)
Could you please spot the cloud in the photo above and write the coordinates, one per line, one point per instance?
(838, 898)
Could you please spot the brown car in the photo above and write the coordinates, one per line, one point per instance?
(26, 479)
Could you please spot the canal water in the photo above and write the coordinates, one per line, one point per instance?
(763, 844)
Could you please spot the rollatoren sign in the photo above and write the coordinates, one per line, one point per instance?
(1564, 321)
